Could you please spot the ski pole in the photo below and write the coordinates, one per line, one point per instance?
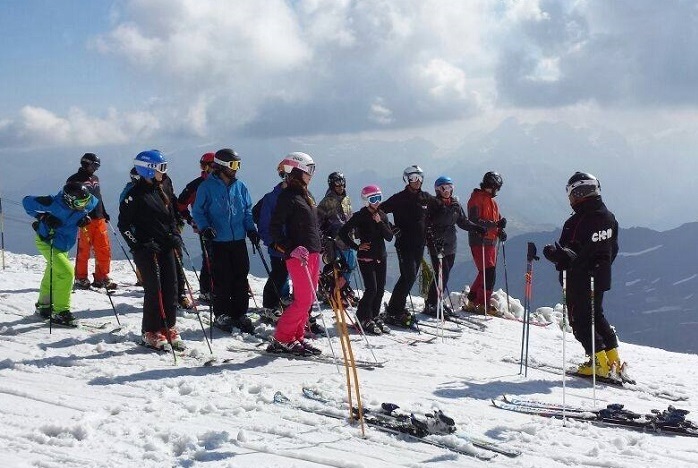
(123, 249)
(2, 234)
(191, 261)
(207, 259)
(439, 293)
(162, 306)
(356, 323)
(196, 310)
(506, 276)
(268, 270)
(317, 303)
(593, 340)
(564, 342)
(485, 299)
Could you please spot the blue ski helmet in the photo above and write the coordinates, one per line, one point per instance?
(442, 180)
(148, 162)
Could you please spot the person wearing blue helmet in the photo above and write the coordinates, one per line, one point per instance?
(58, 219)
(441, 221)
(148, 223)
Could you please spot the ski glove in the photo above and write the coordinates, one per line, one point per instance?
(176, 241)
(151, 246)
(562, 257)
(253, 235)
(51, 221)
(301, 253)
(84, 221)
(209, 233)
(502, 223)
(502, 235)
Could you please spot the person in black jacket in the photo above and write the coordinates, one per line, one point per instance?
(409, 212)
(586, 249)
(94, 235)
(148, 223)
(441, 221)
(372, 228)
(295, 233)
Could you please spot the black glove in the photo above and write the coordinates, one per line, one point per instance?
(561, 256)
(502, 235)
(550, 253)
(176, 241)
(502, 223)
(151, 246)
(51, 221)
(84, 221)
(479, 229)
(253, 235)
(209, 233)
(396, 231)
(106, 217)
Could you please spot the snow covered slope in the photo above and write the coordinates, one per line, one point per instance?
(92, 397)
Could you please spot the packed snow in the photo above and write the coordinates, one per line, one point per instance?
(93, 397)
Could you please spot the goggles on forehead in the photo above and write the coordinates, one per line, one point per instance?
(232, 165)
(415, 178)
(373, 199)
(159, 167)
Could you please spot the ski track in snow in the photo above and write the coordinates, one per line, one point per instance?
(93, 397)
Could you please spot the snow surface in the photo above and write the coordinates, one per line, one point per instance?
(80, 397)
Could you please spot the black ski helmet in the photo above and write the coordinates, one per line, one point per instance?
(491, 180)
(582, 185)
(336, 178)
(226, 158)
(90, 159)
(76, 195)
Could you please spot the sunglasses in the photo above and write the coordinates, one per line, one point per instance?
(374, 199)
(232, 165)
(415, 178)
(159, 167)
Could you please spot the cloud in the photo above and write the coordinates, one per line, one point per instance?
(38, 127)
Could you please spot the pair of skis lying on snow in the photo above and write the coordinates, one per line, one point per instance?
(669, 421)
(434, 429)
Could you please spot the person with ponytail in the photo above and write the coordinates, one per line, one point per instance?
(295, 233)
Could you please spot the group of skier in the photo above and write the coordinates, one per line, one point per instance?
(299, 235)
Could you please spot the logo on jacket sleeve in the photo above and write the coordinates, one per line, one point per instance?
(602, 235)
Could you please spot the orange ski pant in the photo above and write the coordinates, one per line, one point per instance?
(93, 237)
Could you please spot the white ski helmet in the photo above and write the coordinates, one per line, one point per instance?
(412, 172)
(301, 161)
(582, 185)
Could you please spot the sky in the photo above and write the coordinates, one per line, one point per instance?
(533, 89)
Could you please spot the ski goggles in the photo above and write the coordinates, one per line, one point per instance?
(445, 188)
(415, 177)
(158, 167)
(233, 165)
(77, 203)
(375, 199)
(339, 183)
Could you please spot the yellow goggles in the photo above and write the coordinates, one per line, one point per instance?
(232, 165)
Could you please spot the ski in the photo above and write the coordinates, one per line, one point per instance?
(434, 424)
(366, 365)
(405, 431)
(669, 421)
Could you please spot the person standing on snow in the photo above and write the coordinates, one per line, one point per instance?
(94, 235)
(222, 212)
(484, 211)
(148, 224)
(296, 235)
(277, 287)
(441, 221)
(372, 228)
(333, 212)
(58, 219)
(587, 247)
(184, 201)
(409, 213)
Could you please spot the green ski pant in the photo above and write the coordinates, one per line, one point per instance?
(63, 276)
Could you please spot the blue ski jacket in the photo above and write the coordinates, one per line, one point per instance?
(226, 209)
(268, 204)
(64, 236)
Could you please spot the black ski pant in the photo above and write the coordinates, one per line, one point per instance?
(159, 278)
(373, 274)
(277, 283)
(205, 278)
(409, 260)
(446, 264)
(579, 304)
(230, 268)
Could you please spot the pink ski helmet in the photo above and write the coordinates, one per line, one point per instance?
(371, 194)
